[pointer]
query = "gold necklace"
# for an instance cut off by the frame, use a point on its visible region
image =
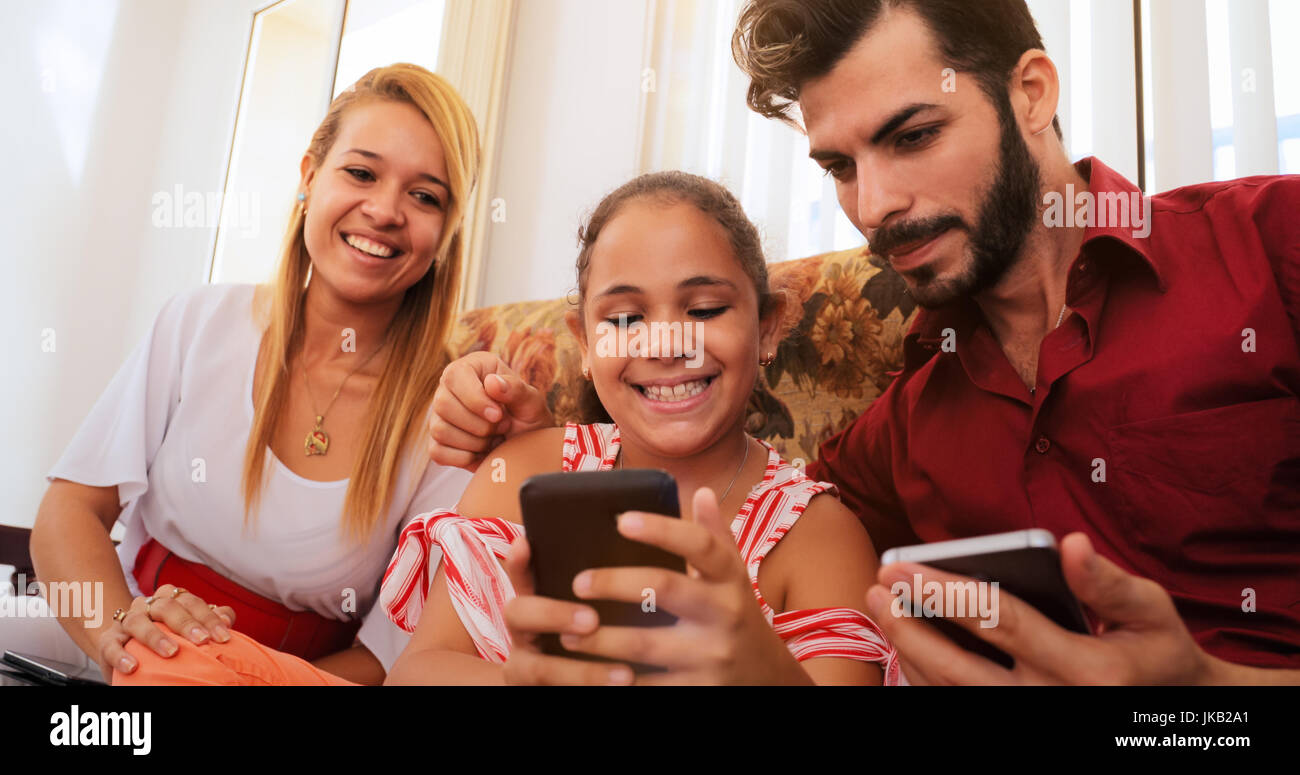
(317, 441)
(732, 483)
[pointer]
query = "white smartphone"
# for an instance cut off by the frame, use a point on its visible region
(1024, 563)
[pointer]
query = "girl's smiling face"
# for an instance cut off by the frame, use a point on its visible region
(377, 203)
(672, 265)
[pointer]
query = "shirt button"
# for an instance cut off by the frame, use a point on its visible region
(1042, 445)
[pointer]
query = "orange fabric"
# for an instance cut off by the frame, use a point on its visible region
(241, 661)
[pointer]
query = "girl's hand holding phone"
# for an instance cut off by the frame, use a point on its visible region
(528, 615)
(721, 635)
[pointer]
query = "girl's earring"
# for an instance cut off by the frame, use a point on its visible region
(303, 199)
(768, 360)
(586, 373)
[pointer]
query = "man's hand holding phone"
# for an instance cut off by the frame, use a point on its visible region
(1142, 640)
(720, 635)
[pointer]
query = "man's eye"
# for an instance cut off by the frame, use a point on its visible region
(711, 312)
(917, 137)
(360, 174)
(837, 169)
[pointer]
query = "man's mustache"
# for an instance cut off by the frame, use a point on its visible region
(888, 239)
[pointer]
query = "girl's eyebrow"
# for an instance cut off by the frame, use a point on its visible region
(691, 282)
(706, 280)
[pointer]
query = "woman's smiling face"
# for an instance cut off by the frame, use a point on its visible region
(672, 265)
(377, 203)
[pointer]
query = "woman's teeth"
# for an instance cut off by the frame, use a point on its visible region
(679, 392)
(366, 246)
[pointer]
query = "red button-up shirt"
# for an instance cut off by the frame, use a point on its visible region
(1165, 422)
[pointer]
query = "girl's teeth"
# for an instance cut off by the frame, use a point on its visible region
(679, 392)
(366, 246)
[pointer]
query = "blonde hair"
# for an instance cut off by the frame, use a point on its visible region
(418, 332)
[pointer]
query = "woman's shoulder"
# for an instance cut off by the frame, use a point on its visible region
(208, 296)
(222, 303)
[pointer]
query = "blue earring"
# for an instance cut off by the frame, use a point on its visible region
(302, 197)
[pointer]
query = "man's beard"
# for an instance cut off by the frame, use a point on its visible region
(1007, 214)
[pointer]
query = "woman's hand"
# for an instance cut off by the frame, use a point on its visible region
(528, 616)
(721, 635)
(184, 612)
(481, 402)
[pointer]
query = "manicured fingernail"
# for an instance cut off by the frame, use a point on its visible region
(582, 583)
(169, 648)
(584, 619)
(620, 676)
(221, 633)
(197, 635)
(492, 413)
(630, 522)
(126, 664)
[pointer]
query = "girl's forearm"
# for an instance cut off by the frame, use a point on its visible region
(440, 667)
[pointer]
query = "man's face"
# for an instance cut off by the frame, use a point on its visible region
(923, 166)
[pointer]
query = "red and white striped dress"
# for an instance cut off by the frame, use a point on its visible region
(479, 587)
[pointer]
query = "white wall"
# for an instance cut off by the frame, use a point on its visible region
(569, 136)
(109, 102)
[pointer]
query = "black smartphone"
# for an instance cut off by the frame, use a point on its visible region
(45, 672)
(1024, 563)
(571, 523)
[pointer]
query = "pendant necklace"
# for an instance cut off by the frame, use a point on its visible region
(317, 441)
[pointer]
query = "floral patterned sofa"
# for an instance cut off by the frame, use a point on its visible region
(852, 313)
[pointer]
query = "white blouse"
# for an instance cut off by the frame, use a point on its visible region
(170, 432)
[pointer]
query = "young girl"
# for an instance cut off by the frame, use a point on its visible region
(774, 589)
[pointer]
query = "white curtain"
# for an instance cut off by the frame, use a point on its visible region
(475, 49)
(694, 118)
(1216, 110)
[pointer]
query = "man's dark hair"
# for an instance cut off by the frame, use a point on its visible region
(782, 44)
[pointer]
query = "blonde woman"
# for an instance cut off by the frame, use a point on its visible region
(264, 445)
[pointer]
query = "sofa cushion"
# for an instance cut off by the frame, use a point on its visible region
(846, 322)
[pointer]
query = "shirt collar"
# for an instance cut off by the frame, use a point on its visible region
(926, 334)
(1105, 184)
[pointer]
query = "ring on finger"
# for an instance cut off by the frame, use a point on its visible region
(177, 592)
(119, 615)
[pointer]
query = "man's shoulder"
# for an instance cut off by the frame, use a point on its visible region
(1257, 192)
(1209, 233)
